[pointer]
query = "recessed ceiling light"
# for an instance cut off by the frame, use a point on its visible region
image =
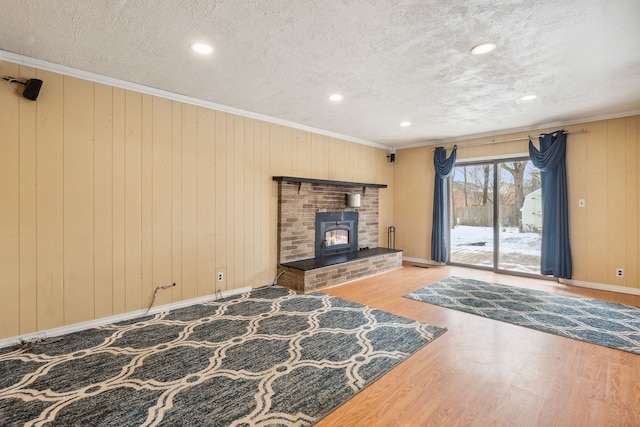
(202, 48)
(528, 97)
(483, 48)
(405, 124)
(336, 97)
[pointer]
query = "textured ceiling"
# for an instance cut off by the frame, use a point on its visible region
(393, 60)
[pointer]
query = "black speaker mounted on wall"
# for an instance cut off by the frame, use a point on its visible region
(31, 87)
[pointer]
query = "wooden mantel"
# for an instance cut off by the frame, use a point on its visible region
(327, 182)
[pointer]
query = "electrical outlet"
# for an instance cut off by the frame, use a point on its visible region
(220, 276)
(620, 272)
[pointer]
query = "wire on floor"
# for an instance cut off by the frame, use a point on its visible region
(156, 293)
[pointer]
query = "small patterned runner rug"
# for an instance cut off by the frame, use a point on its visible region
(268, 357)
(597, 322)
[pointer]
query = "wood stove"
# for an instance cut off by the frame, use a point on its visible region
(336, 233)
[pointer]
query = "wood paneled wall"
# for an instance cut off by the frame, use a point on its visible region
(602, 168)
(106, 194)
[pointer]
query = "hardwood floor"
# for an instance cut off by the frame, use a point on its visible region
(483, 372)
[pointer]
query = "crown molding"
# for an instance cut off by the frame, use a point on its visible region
(534, 128)
(110, 81)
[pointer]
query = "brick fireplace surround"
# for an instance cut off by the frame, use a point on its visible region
(298, 201)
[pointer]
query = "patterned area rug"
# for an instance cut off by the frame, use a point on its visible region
(597, 322)
(269, 357)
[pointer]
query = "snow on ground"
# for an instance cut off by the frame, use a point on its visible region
(518, 251)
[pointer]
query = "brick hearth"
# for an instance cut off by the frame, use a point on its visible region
(331, 275)
(298, 201)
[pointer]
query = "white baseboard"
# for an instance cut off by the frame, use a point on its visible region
(571, 282)
(601, 286)
(118, 318)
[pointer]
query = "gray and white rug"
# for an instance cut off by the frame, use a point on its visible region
(597, 322)
(268, 357)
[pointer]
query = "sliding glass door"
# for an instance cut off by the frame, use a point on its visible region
(496, 216)
(520, 222)
(472, 198)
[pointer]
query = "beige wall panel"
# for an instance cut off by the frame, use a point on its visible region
(259, 205)
(379, 162)
(28, 211)
(303, 155)
(133, 201)
(208, 165)
(296, 168)
(362, 154)
(103, 200)
(261, 200)
(189, 202)
(337, 160)
(381, 165)
(275, 168)
(271, 187)
(413, 201)
(637, 210)
(632, 178)
(162, 206)
(222, 195)
(522, 146)
(577, 183)
(351, 172)
(265, 194)
(118, 203)
(616, 200)
(371, 156)
(237, 243)
(147, 200)
(10, 202)
(50, 192)
(229, 203)
(358, 154)
(319, 156)
(358, 163)
(597, 209)
(287, 152)
(250, 202)
(276, 150)
(266, 216)
(386, 211)
(464, 153)
(176, 200)
(78, 201)
(509, 148)
(470, 153)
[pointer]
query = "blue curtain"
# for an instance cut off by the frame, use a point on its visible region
(550, 159)
(440, 229)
